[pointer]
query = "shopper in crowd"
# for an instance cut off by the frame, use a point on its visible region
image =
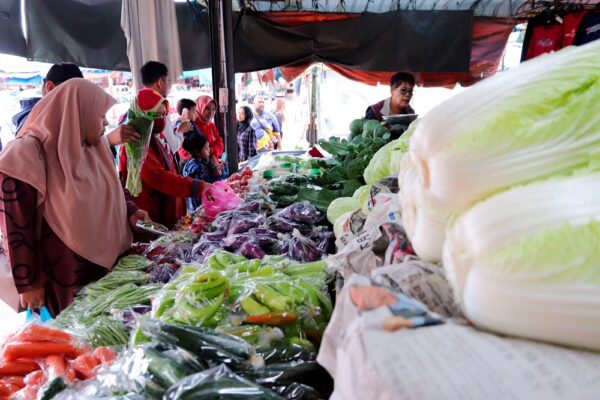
(206, 107)
(265, 126)
(65, 219)
(199, 166)
(401, 88)
(155, 75)
(190, 106)
(279, 113)
(246, 136)
(163, 190)
(57, 74)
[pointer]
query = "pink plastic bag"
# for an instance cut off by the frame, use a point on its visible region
(219, 197)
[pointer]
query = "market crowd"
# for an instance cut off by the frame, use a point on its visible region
(58, 177)
(66, 216)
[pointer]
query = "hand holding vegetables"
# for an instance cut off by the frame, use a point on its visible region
(123, 134)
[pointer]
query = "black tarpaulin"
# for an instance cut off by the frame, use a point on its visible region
(88, 33)
(193, 37)
(426, 41)
(12, 40)
(85, 32)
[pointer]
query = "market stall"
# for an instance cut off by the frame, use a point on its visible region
(458, 260)
(427, 266)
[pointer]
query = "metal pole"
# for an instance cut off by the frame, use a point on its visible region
(214, 13)
(221, 37)
(231, 116)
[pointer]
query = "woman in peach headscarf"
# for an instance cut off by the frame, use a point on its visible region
(64, 218)
(206, 108)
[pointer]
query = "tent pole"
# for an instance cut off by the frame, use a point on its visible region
(221, 46)
(231, 117)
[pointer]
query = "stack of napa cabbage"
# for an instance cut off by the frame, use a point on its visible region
(514, 159)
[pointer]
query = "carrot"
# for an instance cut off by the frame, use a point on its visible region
(104, 355)
(6, 389)
(273, 318)
(55, 365)
(84, 365)
(13, 380)
(15, 350)
(39, 333)
(28, 392)
(35, 378)
(70, 374)
(19, 367)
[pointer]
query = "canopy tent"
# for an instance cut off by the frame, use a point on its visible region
(443, 41)
(90, 35)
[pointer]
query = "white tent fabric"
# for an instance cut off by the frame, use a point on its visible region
(151, 31)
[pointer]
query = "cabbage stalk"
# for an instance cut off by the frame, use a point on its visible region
(526, 261)
(363, 195)
(423, 218)
(526, 124)
(386, 162)
(341, 206)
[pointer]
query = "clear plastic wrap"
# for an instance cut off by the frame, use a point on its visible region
(137, 150)
(219, 383)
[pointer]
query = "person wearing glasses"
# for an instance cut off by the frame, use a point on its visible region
(401, 87)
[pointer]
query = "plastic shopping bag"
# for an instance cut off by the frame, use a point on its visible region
(220, 197)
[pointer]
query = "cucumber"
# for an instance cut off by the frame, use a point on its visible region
(222, 388)
(165, 372)
(286, 355)
(52, 388)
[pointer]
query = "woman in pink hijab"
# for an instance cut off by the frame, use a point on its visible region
(64, 218)
(206, 108)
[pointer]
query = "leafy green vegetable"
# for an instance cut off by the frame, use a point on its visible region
(137, 149)
(340, 206)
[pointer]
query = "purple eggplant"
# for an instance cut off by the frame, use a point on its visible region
(282, 224)
(203, 247)
(163, 273)
(244, 224)
(234, 242)
(303, 249)
(252, 206)
(251, 250)
(214, 236)
(264, 232)
(128, 316)
(326, 243)
(302, 212)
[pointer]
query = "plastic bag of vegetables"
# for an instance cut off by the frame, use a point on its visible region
(140, 116)
(219, 197)
(525, 262)
(218, 382)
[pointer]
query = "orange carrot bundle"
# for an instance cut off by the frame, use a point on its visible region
(104, 355)
(55, 365)
(18, 367)
(40, 333)
(13, 380)
(15, 350)
(84, 365)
